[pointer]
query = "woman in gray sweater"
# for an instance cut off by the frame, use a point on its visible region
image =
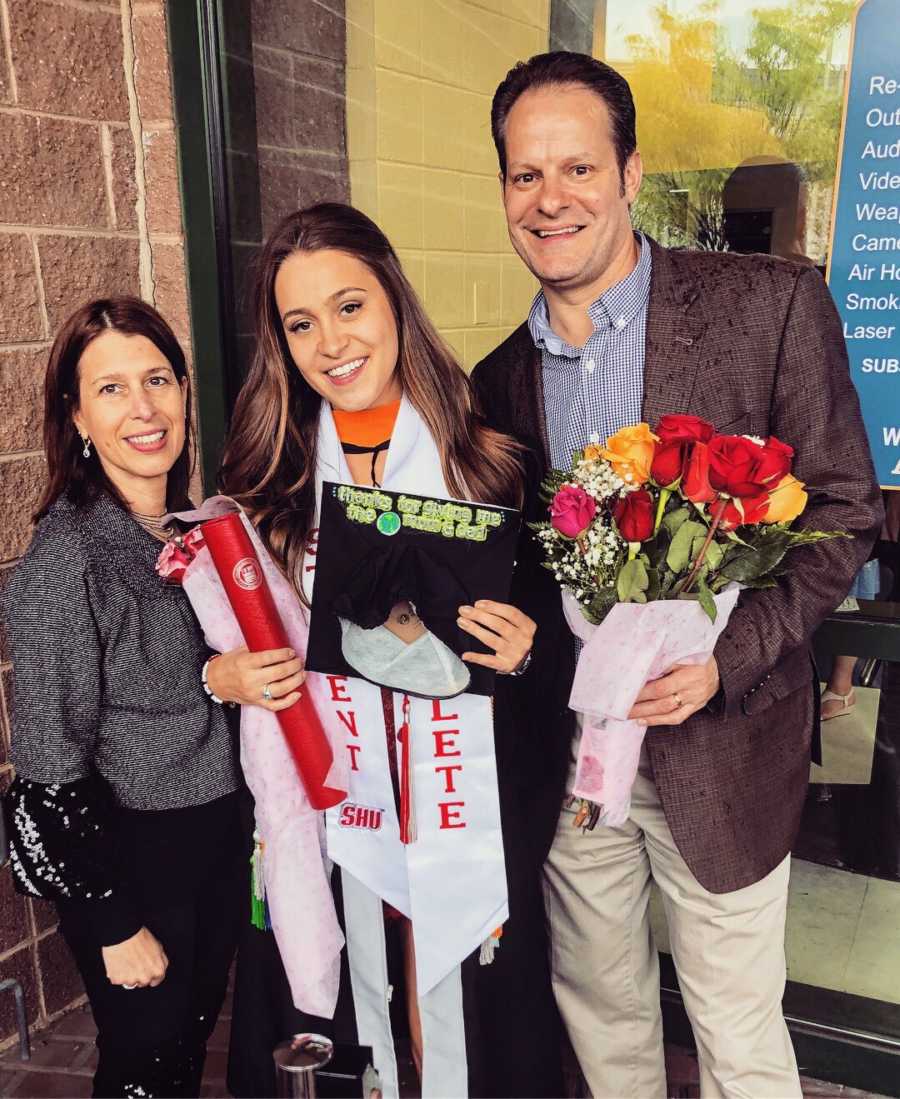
(125, 811)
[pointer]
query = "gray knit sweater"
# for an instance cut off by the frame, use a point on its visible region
(106, 664)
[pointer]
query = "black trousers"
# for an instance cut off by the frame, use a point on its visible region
(187, 871)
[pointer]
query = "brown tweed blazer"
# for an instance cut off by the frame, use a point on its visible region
(754, 345)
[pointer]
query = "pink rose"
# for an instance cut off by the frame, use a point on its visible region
(177, 554)
(172, 562)
(193, 541)
(572, 510)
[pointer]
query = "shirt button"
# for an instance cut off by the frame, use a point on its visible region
(620, 322)
(589, 366)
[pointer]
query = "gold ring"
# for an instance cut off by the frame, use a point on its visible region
(678, 702)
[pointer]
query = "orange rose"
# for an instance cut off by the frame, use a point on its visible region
(786, 500)
(630, 453)
(592, 452)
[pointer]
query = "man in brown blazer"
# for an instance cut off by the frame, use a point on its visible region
(624, 330)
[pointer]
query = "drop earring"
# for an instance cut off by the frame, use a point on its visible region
(87, 446)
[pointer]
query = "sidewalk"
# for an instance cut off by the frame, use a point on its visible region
(63, 1059)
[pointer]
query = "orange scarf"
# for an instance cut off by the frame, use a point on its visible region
(367, 428)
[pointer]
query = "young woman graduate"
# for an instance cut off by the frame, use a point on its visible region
(350, 382)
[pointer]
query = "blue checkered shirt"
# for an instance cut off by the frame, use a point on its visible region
(598, 388)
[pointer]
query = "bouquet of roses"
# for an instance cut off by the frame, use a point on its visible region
(651, 538)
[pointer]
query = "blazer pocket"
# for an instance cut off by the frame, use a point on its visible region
(790, 675)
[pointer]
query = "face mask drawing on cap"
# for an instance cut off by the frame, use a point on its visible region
(385, 611)
(404, 656)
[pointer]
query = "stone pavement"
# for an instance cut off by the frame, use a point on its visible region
(63, 1059)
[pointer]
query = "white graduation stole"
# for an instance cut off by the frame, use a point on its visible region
(451, 881)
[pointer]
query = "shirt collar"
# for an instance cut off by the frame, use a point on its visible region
(616, 307)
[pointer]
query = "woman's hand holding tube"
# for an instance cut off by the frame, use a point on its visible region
(271, 679)
(503, 628)
(138, 962)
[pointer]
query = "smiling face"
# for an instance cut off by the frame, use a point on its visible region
(567, 208)
(132, 407)
(340, 328)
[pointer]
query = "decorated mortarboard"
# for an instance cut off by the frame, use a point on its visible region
(381, 551)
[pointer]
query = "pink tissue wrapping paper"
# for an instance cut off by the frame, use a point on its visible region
(295, 866)
(635, 643)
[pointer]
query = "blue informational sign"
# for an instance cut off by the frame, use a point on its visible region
(864, 269)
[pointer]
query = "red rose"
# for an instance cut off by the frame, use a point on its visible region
(684, 429)
(668, 460)
(754, 511)
(739, 466)
(775, 461)
(572, 510)
(633, 514)
(695, 486)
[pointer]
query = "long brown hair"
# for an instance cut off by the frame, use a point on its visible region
(68, 471)
(270, 457)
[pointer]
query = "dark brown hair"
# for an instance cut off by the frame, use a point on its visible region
(270, 456)
(560, 68)
(68, 471)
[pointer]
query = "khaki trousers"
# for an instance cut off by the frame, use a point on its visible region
(728, 950)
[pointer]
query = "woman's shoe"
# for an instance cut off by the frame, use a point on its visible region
(847, 702)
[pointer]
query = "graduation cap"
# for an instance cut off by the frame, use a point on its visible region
(403, 574)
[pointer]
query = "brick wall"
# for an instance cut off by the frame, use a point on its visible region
(286, 146)
(420, 77)
(89, 205)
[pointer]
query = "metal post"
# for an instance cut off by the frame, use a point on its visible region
(21, 1016)
(296, 1062)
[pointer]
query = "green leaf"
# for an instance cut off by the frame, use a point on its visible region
(761, 582)
(809, 537)
(705, 597)
(653, 585)
(674, 519)
(680, 550)
(602, 603)
(750, 563)
(632, 582)
(714, 555)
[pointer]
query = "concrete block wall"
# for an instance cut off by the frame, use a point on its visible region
(89, 205)
(420, 77)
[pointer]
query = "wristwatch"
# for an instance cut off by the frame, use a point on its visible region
(522, 667)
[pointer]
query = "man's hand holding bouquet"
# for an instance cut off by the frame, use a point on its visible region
(651, 537)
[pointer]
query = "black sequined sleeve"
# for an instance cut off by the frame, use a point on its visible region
(62, 850)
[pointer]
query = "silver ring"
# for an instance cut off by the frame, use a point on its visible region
(267, 694)
(129, 987)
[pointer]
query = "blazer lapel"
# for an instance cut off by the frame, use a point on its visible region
(674, 343)
(526, 392)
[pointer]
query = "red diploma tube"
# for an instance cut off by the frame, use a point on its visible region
(251, 600)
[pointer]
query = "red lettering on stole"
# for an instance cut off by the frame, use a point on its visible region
(436, 714)
(448, 769)
(349, 720)
(445, 745)
(441, 747)
(338, 685)
(449, 813)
